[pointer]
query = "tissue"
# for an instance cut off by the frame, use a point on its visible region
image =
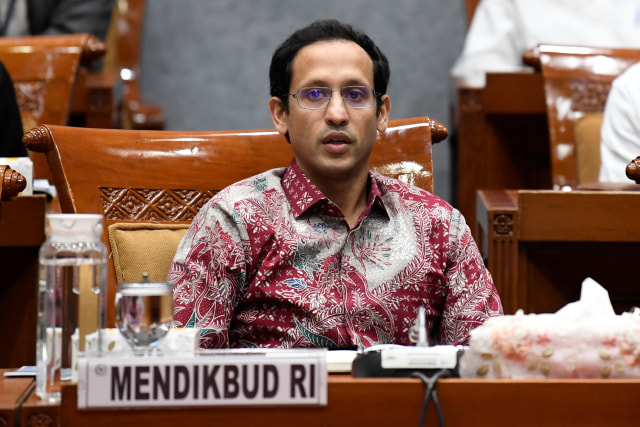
(584, 339)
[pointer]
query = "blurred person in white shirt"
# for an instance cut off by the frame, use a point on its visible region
(620, 137)
(502, 30)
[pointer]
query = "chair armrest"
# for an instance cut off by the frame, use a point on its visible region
(633, 170)
(11, 183)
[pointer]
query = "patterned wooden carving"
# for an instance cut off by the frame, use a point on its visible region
(589, 96)
(100, 98)
(40, 419)
(143, 204)
(469, 99)
(503, 225)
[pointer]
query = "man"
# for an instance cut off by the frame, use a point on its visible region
(502, 30)
(324, 253)
(10, 122)
(620, 136)
(42, 17)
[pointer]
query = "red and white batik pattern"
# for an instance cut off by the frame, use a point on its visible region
(271, 262)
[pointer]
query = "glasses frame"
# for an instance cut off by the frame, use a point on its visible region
(297, 96)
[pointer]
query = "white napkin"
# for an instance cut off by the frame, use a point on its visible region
(594, 302)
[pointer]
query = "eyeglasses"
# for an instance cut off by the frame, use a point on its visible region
(315, 98)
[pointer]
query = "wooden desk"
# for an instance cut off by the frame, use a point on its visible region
(501, 138)
(36, 412)
(542, 244)
(13, 391)
(374, 401)
(21, 235)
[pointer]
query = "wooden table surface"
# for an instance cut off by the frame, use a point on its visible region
(13, 391)
(398, 402)
(21, 235)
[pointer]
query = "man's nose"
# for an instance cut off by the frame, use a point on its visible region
(337, 110)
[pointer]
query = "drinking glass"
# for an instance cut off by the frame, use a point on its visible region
(144, 313)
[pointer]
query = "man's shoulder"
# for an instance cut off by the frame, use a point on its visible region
(253, 187)
(408, 192)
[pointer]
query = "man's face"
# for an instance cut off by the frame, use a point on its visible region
(334, 142)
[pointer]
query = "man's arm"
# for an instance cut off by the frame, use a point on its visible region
(208, 273)
(472, 297)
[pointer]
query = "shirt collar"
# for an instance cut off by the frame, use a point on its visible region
(303, 194)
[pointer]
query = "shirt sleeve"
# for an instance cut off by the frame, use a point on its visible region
(471, 297)
(208, 274)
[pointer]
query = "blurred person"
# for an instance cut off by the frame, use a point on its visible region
(42, 17)
(502, 30)
(326, 253)
(10, 121)
(620, 136)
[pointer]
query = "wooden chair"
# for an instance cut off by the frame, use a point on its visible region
(152, 178)
(576, 82)
(111, 97)
(44, 71)
(123, 59)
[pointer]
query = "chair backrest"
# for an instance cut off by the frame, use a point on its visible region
(44, 70)
(123, 61)
(577, 81)
(11, 183)
(164, 177)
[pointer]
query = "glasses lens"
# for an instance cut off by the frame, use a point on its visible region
(314, 97)
(358, 96)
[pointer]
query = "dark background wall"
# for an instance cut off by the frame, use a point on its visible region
(206, 61)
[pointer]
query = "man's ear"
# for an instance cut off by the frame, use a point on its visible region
(383, 114)
(278, 115)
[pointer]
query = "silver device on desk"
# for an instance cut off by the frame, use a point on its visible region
(393, 360)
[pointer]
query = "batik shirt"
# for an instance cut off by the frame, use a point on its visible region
(272, 262)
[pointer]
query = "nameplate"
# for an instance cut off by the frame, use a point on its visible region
(218, 378)
(409, 357)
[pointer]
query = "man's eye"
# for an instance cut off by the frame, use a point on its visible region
(314, 94)
(354, 94)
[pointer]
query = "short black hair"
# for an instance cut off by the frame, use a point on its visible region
(328, 29)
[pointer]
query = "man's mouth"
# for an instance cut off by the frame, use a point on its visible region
(336, 139)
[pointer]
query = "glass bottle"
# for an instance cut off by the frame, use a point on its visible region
(71, 298)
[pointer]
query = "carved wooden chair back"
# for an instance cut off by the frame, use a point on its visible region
(577, 81)
(44, 70)
(166, 176)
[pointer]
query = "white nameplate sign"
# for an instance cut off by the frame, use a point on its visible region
(409, 357)
(218, 378)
